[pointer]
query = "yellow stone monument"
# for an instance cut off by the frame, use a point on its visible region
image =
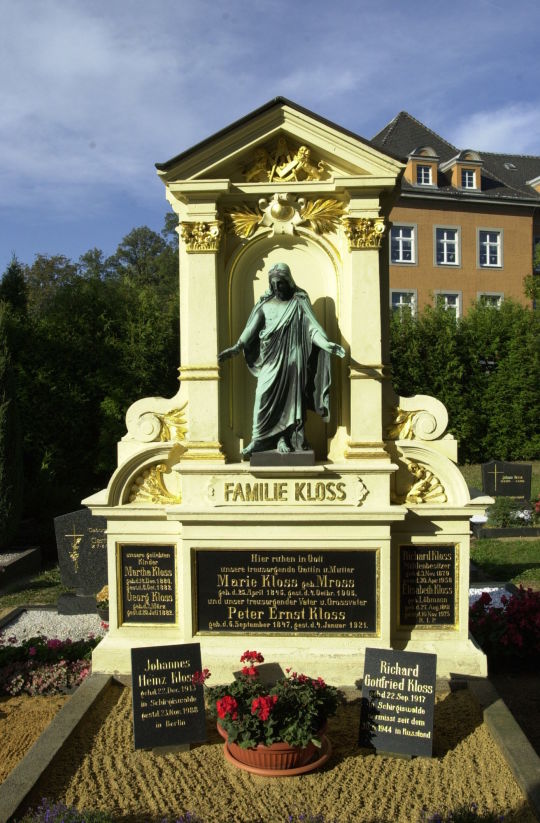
(368, 546)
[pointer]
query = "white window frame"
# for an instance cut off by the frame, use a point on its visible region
(444, 294)
(412, 305)
(398, 227)
(446, 241)
(468, 179)
(498, 295)
(421, 169)
(489, 243)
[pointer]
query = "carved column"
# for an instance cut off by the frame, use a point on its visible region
(367, 371)
(200, 231)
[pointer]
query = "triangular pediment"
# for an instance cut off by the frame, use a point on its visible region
(280, 143)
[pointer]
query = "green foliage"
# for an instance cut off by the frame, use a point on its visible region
(11, 467)
(101, 333)
(484, 367)
(503, 513)
(293, 710)
(13, 288)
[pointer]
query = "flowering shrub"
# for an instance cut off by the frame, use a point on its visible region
(510, 632)
(102, 598)
(43, 666)
(48, 812)
(466, 813)
(292, 711)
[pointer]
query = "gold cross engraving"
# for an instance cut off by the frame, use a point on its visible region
(75, 543)
(496, 474)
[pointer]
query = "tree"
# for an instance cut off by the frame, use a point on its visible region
(11, 476)
(13, 287)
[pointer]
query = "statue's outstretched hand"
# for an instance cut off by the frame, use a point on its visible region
(231, 352)
(337, 349)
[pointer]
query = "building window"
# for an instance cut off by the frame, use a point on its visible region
(450, 301)
(446, 247)
(490, 247)
(402, 244)
(468, 179)
(491, 298)
(403, 300)
(423, 175)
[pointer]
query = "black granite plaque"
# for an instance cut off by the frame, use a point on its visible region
(427, 585)
(501, 479)
(82, 551)
(287, 591)
(398, 699)
(168, 710)
(148, 584)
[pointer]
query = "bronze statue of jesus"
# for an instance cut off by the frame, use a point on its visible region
(288, 351)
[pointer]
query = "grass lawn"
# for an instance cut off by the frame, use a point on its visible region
(42, 589)
(509, 560)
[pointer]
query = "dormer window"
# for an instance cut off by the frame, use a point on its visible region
(422, 167)
(468, 178)
(424, 175)
(464, 170)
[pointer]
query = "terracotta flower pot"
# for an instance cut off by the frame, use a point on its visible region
(279, 759)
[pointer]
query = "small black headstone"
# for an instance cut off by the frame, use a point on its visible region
(82, 551)
(168, 710)
(502, 479)
(398, 699)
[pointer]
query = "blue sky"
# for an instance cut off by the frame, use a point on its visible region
(93, 93)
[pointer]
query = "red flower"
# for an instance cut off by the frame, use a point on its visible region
(54, 643)
(252, 657)
(32, 651)
(227, 705)
(262, 706)
(250, 671)
(198, 678)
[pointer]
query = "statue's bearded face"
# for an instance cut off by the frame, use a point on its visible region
(281, 287)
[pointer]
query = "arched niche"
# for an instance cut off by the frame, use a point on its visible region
(315, 268)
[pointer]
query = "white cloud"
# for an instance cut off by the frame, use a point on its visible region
(92, 94)
(514, 128)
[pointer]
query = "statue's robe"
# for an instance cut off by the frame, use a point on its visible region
(292, 371)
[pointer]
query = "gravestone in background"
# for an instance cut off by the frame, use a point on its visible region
(502, 479)
(82, 555)
(398, 700)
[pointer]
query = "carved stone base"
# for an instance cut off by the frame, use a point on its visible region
(275, 458)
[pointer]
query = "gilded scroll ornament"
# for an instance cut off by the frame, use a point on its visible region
(425, 488)
(283, 165)
(403, 426)
(201, 237)
(363, 232)
(283, 213)
(149, 487)
(173, 425)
